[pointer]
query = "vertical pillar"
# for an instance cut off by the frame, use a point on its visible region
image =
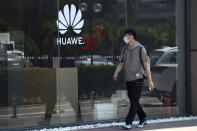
(180, 41)
(193, 53)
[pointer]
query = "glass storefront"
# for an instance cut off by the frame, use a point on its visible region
(57, 59)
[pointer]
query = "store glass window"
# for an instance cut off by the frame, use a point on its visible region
(57, 59)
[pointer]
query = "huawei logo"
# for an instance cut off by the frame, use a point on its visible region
(70, 18)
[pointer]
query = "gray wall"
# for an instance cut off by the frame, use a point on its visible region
(193, 54)
(180, 41)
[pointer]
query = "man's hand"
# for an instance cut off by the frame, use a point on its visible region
(115, 77)
(118, 69)
(151, 85)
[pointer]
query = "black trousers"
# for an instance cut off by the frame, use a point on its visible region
(134, 94)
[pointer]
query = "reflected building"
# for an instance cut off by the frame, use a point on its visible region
(155, 10)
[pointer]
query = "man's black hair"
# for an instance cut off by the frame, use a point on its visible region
(131, 32)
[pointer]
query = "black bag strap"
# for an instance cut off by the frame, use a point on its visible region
(141, 57)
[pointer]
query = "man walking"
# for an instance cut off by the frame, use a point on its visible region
(134, 60)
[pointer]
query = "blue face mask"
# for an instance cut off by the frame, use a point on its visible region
(125, 40)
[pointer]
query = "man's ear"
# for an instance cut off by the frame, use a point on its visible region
(130, 37)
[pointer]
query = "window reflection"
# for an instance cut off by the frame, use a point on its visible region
(43, 83)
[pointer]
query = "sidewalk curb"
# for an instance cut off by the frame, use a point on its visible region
(113, 124)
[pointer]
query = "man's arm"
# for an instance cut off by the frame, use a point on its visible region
(150, 83)
(117, 71)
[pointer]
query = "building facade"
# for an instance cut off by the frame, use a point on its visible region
(58, 58)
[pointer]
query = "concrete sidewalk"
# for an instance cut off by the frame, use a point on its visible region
(189, 125)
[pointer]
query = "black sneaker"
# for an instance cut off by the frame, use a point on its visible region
(44, 121)
(142, 123)
(126, 127)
